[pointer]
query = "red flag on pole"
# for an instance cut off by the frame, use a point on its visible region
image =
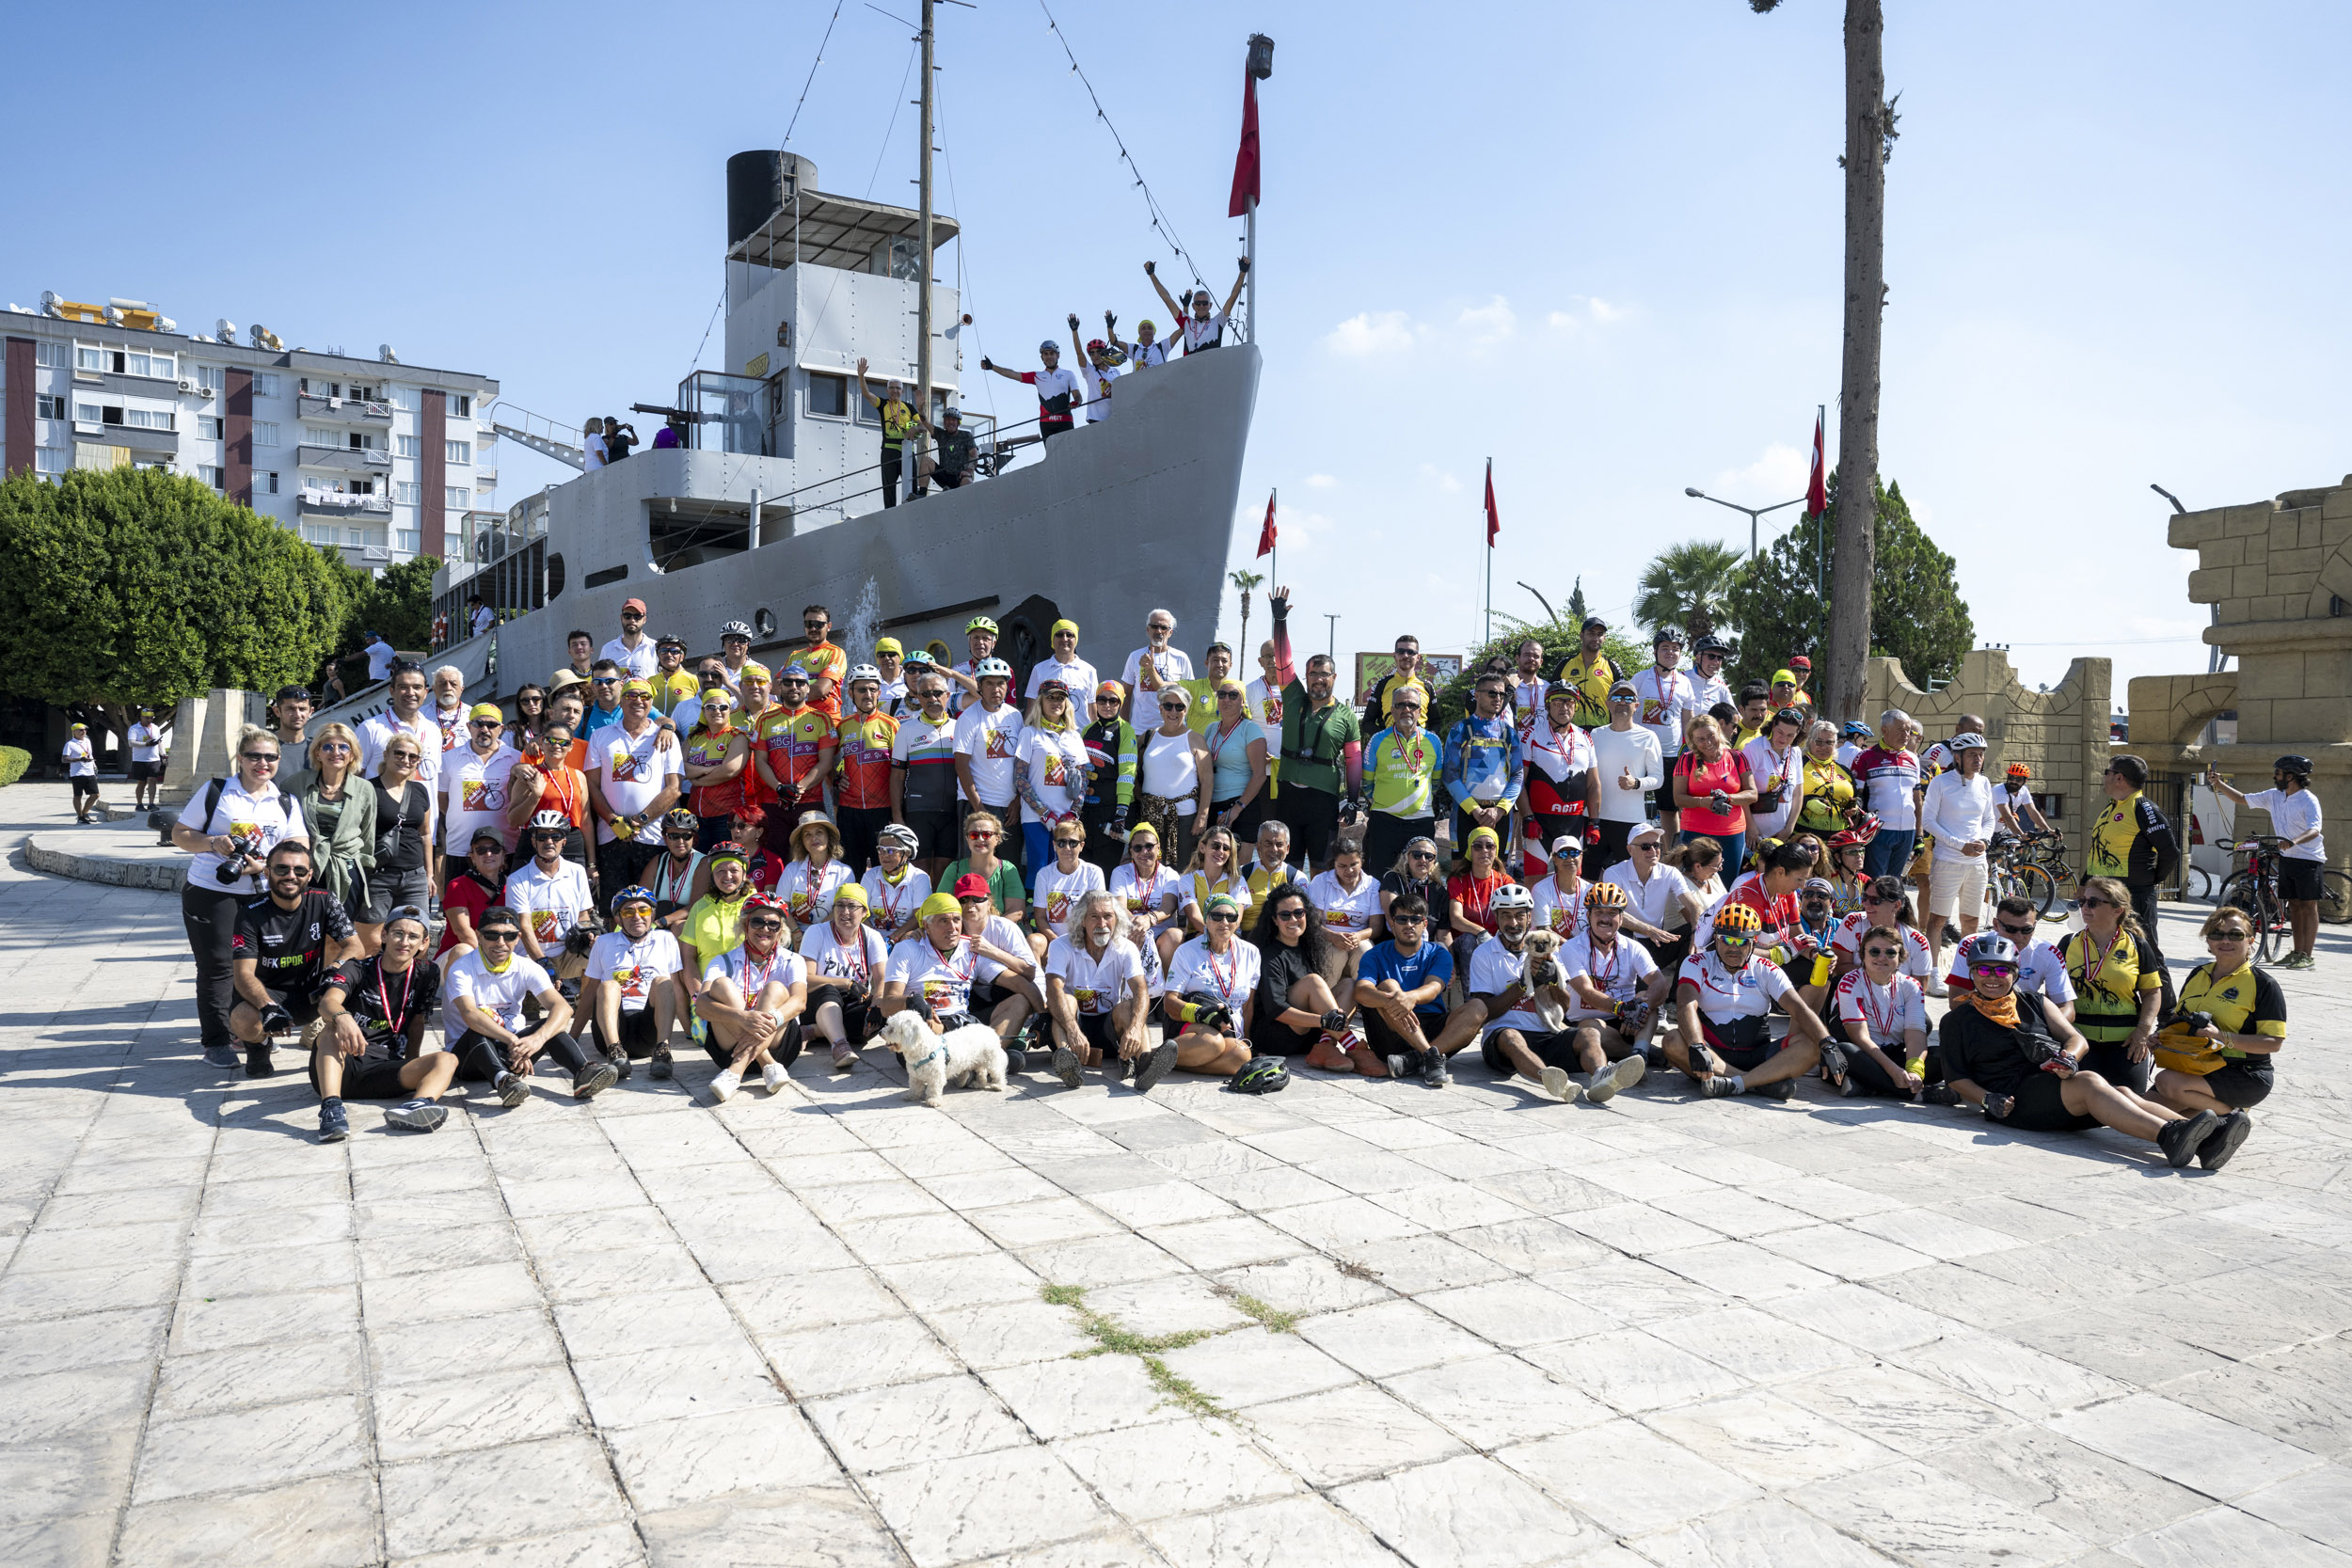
(1266, 534)
(1817, 488)
(1246, 160)
(1494, 519)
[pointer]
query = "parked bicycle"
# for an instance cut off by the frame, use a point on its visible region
(2255, 890)
(2034, 868)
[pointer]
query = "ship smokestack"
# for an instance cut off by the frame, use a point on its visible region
(759, 185)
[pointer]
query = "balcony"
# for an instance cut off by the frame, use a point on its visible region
(315, 502)
(346, 460)
(145, 444)
(344, 411)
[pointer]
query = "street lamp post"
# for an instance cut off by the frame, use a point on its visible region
(1331, 650)
(1754, 511)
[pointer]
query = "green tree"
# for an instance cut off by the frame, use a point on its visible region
(1688, 586)
(130, 587)
(1561, 638)
(1916, 613)
(1577, 609)
(398, 604)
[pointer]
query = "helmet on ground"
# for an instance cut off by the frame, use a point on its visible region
(734, 629)
(2019, 770)
(2294, 763)
(980, 622)
(1263, 1075)
(993, 667)
(1511, 895)
(864, 673)
(898, 836)
(551, 822)
(677, 819)
(1992, 948)
(632, 894)
(1741, 918)
(1606, 896)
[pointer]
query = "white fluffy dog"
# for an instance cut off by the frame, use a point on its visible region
(971, 1056)
(1543, 972)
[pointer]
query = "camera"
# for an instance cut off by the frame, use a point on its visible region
(248, 847)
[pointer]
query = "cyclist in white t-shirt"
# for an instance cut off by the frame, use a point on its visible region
(631, 993)
(1097, 1000)
(846, 961)
(752, 1002)
(1203, 327)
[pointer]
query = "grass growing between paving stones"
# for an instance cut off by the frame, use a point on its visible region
(1112, 1339)
(1272, 1319)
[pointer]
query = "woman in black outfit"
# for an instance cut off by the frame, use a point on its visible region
(1295, 1015)
(404, 809)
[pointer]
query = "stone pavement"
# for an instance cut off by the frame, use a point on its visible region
(1351, 1323)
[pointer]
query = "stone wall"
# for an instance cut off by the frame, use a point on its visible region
(2060, 734)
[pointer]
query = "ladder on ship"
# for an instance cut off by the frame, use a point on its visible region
(539, 432)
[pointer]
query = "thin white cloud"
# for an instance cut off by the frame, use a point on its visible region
(1780, 473)
(1489, 323)
(1602, 310)
(1372, 333)
(1565, 321)
(1321, 481)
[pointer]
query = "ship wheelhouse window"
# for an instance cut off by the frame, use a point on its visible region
(827, 394)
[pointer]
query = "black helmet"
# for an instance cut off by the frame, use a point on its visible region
(1263, 1075)
(1710, 643)
(1665, 635)
(2300, 766)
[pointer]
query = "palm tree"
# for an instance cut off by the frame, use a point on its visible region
(1245, 582)
(1687, 585)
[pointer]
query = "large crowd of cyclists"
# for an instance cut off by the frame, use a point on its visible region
(1595, 875)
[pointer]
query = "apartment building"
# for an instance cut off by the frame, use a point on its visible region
(379, 460)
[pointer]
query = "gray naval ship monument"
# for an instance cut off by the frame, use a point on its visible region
(773, 501)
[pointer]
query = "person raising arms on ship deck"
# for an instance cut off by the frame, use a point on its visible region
(1057, 390)
(1145, 351)
(898, 422)
(948, 464)
(1099, 365)
(1201, 328)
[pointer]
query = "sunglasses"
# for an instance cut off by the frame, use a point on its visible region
(1991, 968)
(501, 934)
(484, 723)
(763, 924)
(792, 680)
(1290, 915)
(1100, 701)
(1224, 917)
(389, 756)
(2231, 936)
(1069, 844)
(1172, 707)
(334, 745)
(605, 680)
(1421, 854)
(684, 835)
(2020, 932)
(270, 757)
(1882, 953)
(1725, 938)
(2090, 903)
(982, 836)
(1409, 920)
(1643, 848)
(548, 838)
(814, 626)
(631, 615)
(1879, 900)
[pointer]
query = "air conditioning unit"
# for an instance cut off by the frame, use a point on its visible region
(186, 385)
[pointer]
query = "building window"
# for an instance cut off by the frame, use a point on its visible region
(457, 498)
(265, 385)
(49, 356)
(265, 432)
(207, 427)
(408, 445)
(50, 460)
(211, 475)
(460, 406)
(88, 414)
(313, 437)
(88, 356)
(827, 394)
(163, 367)
(209, 377)
(409, 539)
(404, 397)
(47, 407)
(148, 419)
(266, 484)
(459, 452)
(405, 492)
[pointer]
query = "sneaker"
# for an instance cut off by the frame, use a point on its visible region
(1621, 1074)
(511, 1091)
(418, 1116)
(257, 1063)
(2296, 961)
(220, 1055)
(1654, 1057)
(1067, 1066)
(1557, 1084)
(1936, 985)
(843, 1058)
(1718, 1087)
(662, 1066)
(1784, 1089)
(1158, 1065)
(1118, 1068)
(593, 1080)
(773, 1077)
(1939, 1094)
(1440, 1071)
(2180, 1140)
(2223, 1141)
(724, 1086)
(1406, 1064)
(334, 1126)
(621, 1068)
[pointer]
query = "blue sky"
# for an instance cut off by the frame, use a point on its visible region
(1598, 243)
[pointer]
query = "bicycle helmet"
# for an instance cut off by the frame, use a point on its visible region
(1560, 688)
(1263, 1075)
(864, 673)
(917, 658)
(725, 850)
(1971, 741)
(1512, 896)
(993, 667)
(1867, 829)
(1856, 730)
(632, 894)
(734, 629)
(1991, 949)
(1606, 896)
(2019, 770)
(1741, 918)
(1710, 643)
(1849, 839)
(677, 819)
(979, 622)
(1665, 635)
(765, 901)
(2293, 764)
(551, 822)
(899, 835)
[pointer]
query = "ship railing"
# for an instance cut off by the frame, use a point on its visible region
(992, 455)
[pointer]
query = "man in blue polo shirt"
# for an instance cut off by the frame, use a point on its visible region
(1400, 984)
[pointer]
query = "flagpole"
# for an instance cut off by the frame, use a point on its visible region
(1486, 525)
(1274, 497)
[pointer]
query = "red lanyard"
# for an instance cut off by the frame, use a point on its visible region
(756, 975)
(890, 901)
(395, 1022)
(863, 964)
(1881, 1029)
(1224, 978)
(1603, 980)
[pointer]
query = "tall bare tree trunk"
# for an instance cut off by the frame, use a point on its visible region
(1858, 395)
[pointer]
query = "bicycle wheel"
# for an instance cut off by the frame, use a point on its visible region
(2269, 919)
(2335, 897)
(2064, 887)
(2197, 885)
(2034, 885)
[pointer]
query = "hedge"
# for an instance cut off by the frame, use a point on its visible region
(13, 761)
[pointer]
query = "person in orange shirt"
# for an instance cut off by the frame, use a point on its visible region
(549, 779)
(793, 752)
(828, 667)
(863, 740)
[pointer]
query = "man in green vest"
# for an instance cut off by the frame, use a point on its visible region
(1321, 745)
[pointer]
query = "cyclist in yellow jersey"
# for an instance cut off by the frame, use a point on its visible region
(1590, 673)
(2130, 840)
(1401, 768)
(673, 683)
(827, 664)
(2217, 1057)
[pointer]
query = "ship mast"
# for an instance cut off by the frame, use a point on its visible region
(923, 266)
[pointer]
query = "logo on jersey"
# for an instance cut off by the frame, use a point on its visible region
(623, 765)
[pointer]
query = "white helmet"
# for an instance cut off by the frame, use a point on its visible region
(551, 822)
(1972, 741)
(993, 667)
(864, 673)
(1511, 895)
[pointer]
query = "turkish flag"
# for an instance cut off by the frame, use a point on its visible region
(1494, 518)
(1246, 160)
(1266, 534)
(1817, 488)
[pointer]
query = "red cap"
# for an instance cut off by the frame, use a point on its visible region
(1801, 662)
(972, 885)
(637, 604)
